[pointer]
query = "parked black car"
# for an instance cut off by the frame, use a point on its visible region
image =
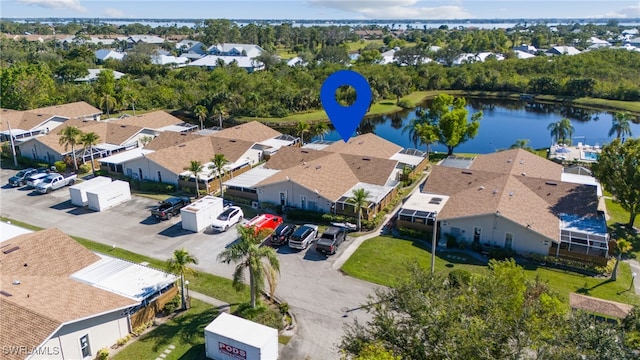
(169, 208)
(330, 240)
(281, 234)
(20, 179)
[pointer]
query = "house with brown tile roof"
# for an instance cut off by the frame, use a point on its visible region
(253, 131)
(49, 305)
(514, 199)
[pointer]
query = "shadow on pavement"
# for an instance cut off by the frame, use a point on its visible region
(313, 255)
(175, 230)
(65, 205)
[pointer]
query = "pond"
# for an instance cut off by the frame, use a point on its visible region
(502, 124)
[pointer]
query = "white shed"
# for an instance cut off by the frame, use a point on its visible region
(200, 214)
(78, 192)
(108, 195)
(229, 337)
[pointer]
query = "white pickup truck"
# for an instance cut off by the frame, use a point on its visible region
(54, 182)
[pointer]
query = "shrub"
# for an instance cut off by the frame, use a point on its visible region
(60, 166)
(501, 253)
(103, 354)
(476, 246)
(123, 340)
(405, 104)
(413, 233)
(84, 168)
(452, 242)
(459, 277)
(262, 314)
(283, 307)
(171, 306)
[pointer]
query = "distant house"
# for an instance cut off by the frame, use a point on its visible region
(212, 61)
(370, 34)
(105, 54)
(322, 176)
(24, 125)
(93, 75)
(563, 50)
(480, 57)
(231, 49)
(515, 200)
(523, 55)
(146, 39)
(526, 48)
(192, 46)
(61, 301)
(168, 60)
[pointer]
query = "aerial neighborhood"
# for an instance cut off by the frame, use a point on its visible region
(184, 192)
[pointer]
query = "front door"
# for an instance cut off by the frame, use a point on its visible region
(476, 234)
(508, 240)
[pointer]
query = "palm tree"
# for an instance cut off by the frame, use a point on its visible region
(89, 140)
(220, 109)
(70, 136)
(621, 125)
(622, 247)
(359, 201)
(247, 253)
(427, 134)
(201, 113)
(219, 161)
(321, 129)
(301, 128)
(522, 144)
(195, 167)
(107, 102)
(561, 130)
(179, 265)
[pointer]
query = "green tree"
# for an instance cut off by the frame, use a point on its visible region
(195, 167)
(26, 86)
(88, 141)
(301, 128)
(219, 161)
(321, 129)
(70, 136)
(621, 125)
(427, 134)
(107, 102)
(561, 131)
(221, 110)
(449, 116)
(623, 246)
(179, 264)
(201, 113)
(522, 144)
(248, 254)
(360, 200)
(618, 169)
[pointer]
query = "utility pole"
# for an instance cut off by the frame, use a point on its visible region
(433, 242)
(13, 145)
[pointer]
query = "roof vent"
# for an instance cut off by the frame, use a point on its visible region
(366, 159)
(304, 151)
(511, 193)
(5, 293)
(123, 126)
(16, 282)
(182, 145)
(318, 167)
(495, 191)
(524, 174)
(232, 141)
(481, 187)
(551, 183)
(467, 172)
(10, 250)
(509, 160)
(521, 162)
(435, 200)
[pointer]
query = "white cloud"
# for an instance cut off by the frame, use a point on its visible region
(395, 9)
(114, 13)
(627, 12)
(56, 4)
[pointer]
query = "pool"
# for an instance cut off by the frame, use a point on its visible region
(589, 155)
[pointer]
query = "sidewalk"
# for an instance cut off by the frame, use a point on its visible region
(221, 305)
(635, 268)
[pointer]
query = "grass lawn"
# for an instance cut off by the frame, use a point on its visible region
(618, 217)
(205, 283)
(185, 332)
(354, 46)
(617, 214)
(383, 260)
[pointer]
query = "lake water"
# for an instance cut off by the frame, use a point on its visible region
(502, 124)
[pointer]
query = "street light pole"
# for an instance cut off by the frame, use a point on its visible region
(633, 278)
(433, 241)
(186, 283)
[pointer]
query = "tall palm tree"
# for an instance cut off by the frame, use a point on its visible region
(220, 109)
(201, 113)
(107, 102)
(70, 136)
(359, 200)
(89, 140)
(621, 125)
(179, 265)
(248, 254)
(219, 161)
(427, 134)
(561, 130)
(301, 128)
(321, 129)
(195, 167)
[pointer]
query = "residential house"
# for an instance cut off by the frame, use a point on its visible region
(165, 158)
(104, 54)
(231, 49)
(523, 55)
(115, 136)
(58, 300)
(370, 34)
(93, 75)
(526, 48)
(24, 125)
(191, 46)
(168, 60)
(516, 200)
(322, 176)
(211, 61)
(563, 50)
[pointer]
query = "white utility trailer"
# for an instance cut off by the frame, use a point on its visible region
(200, 213)
(108, 195)
(229, 337)
(78, 192)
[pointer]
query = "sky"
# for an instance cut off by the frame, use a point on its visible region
(321, 9)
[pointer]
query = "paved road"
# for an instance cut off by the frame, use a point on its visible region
(315, 290)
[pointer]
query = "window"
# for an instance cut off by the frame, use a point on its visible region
(476, 234)
(303, 202)
(140, 173)
(84, 346)
(159, 176)
(508, 240)
(283, 199)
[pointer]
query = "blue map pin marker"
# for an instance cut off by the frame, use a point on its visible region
(345, 118)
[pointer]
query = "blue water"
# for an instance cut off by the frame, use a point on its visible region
(502, 124)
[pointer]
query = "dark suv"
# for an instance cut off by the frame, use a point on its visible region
(281, 235)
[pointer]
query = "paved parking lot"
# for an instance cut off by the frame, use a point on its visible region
(317, 293)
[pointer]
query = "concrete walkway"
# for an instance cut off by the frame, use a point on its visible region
(221, 305)
(635, 268)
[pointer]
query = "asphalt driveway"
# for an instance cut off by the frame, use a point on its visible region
(317, 293)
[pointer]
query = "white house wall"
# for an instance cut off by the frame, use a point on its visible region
(494, 230)
(103, 331)
(149, 171)
(293, 194)
(33, 149)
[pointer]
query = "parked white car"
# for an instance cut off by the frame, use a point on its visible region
(36, 179)
(229, 217)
